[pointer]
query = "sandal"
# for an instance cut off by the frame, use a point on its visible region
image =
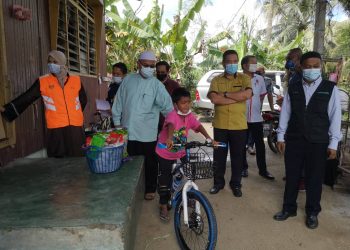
(150, 196)
(163, 213)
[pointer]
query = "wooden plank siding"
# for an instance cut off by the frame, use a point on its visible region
(27, 45)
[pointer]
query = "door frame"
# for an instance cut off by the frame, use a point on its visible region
(5, 86)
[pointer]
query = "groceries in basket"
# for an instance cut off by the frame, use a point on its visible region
(105, 150)
(113, 138)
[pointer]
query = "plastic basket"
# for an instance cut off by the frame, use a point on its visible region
(199, 166)
(105, 159)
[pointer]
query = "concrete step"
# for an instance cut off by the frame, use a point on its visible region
(59, 204)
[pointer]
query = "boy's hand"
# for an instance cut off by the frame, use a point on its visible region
(215, 144)
(2, 109)
(169, 144)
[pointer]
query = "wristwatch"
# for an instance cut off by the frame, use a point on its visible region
(225, 94)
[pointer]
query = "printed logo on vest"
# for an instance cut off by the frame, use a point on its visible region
(323, 93)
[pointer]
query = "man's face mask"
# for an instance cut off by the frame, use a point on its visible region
(311, 74)
(54, 68)
(117, 79)
(289, 65)
(231, 69)
(162, 77)
(252, 68)
(147, 72)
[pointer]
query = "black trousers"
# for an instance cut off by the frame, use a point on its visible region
(256, 130)
(65, 142)
(312, 157)
(165, 179)
(235, 140)
(147, 149)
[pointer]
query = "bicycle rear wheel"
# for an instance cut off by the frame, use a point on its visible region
(201, 233)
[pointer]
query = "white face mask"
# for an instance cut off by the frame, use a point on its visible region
(117, 79)
(147, 72)
(184, 114)
(252, 68)
(54, 68)
(311, 74)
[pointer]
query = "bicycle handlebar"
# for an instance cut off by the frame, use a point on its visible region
(194, 144)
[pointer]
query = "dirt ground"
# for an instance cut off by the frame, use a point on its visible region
(247, 223)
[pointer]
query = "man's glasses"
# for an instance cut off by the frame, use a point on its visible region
(148, 66)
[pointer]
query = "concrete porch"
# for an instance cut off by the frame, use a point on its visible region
(59, 204)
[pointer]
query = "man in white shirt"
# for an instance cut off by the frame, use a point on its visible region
(254, 118)
(308, 133)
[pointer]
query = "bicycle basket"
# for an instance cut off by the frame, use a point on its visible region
(199, 166)
(104, 159)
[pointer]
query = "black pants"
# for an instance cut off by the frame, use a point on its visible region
(256, 130)
(312, 157)
(65, 142)
(147, 149)
(235, 140)
(165, 179)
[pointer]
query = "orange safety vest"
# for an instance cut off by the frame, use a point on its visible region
(62, 106)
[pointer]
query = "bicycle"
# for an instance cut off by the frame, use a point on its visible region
(198, 226)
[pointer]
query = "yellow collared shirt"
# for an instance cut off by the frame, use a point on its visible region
(231, 116)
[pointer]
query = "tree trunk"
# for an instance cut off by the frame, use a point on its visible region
(270, 17)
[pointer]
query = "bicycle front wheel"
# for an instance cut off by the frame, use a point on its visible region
(201, 231)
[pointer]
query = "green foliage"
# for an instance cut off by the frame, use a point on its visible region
(290, 24)
(346, 5)
(127, 35)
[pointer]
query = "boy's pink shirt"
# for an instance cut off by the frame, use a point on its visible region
(190, 122)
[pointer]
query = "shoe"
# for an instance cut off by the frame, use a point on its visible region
(149, 196)
(215, 189)
(311, 221)
(237, 192)
(302, 185)
(245, 173)
(283, 215)
(251, 150)
(267, 176)
(163, 213)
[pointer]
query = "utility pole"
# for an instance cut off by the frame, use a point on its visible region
(320, 24)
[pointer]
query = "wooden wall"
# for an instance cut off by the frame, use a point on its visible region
(27, 46)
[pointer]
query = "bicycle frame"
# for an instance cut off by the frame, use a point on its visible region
(186, 186)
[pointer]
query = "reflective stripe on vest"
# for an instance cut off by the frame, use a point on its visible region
(49, 103)
(62, 106)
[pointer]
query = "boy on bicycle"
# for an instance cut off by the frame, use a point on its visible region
(174, 131)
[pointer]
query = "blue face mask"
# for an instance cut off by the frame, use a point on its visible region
(231, 68)
(311, 74)
(147, 72)
(289, 65)
(54, 68)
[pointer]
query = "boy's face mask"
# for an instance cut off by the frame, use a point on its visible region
(184, 114)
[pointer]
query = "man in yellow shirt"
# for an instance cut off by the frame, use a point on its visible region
(229, 92)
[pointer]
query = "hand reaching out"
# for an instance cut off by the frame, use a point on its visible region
(169, 144)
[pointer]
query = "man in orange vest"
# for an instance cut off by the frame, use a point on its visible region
(64, 99)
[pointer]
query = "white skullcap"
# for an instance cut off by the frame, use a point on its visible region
(147, 55)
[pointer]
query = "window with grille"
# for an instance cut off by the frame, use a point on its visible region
(76, 35)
